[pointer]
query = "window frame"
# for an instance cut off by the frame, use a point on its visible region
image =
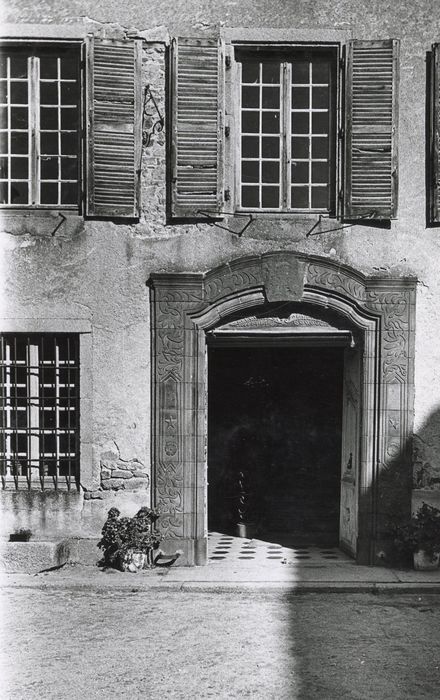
(279, 50)
(35, 44)
(35, 370)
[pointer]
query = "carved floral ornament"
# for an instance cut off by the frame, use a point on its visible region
(186, 306)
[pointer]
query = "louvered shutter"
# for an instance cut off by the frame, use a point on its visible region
(370, 187)
(435, 135)
(113, 127)
(197, 127)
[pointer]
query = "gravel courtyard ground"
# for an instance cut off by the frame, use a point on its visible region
(95, 643)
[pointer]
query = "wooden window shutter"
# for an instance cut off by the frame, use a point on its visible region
(197, 109)
(114, 137)
(370, 187)
(434, 165)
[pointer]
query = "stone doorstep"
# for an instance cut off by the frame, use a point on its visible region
(38, 555)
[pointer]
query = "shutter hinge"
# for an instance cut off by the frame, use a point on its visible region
(227, 131)
(227, 195)
(227, 61)
(342, 63)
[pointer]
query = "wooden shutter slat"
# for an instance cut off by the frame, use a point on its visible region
(197, 127)
(370, 183)
(113, 127)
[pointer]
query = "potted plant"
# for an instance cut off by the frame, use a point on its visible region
(421, 537)
(132, 544)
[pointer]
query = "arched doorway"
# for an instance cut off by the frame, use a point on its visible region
(376, 427)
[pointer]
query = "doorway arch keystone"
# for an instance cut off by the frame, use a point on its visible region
(185, 306)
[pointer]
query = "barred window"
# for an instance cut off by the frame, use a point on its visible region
(39, 432)
(39, 126)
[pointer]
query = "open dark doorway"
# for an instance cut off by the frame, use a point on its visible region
(274, 442)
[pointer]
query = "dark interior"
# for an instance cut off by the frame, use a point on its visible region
(274, 442)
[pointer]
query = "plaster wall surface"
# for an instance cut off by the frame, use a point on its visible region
(97, 271)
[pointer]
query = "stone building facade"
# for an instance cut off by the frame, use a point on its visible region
(130, 256)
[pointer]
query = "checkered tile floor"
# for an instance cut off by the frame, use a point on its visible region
(228, 549)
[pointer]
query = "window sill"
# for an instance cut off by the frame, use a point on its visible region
(297, 215)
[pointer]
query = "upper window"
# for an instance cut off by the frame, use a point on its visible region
(287, 142)
(254, 128)
(39, 126)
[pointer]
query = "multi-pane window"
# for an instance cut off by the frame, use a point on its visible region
(287, 131)
(39, 430)
(39, 126)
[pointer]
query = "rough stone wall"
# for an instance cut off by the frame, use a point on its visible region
(97, 271)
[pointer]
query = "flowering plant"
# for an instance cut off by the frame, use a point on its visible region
(120, 535)
(422, 532)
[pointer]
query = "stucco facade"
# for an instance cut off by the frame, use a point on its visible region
(99, 278)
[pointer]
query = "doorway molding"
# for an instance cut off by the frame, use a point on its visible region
(184, 306)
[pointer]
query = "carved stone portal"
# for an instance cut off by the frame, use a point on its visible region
(381, 311)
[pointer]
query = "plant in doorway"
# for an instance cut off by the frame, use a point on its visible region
(421, 537)
(132, 544)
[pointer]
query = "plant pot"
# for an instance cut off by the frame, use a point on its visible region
(133, 560)
(424, 561)
(246, 530)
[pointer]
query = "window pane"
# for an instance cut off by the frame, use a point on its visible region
(3, 66)
(3, 192)
(20, 168)
(300, 72)
(319, 147)
(250, 171)
(48, 67)
(49, 168)
(319, 197)
(271, 97)
(49, 93)
(320, 122)
(300, 123)
(19, 117)
(49, 193)
(250, 122)
(300, 172)
(19, 142)
(49, 118)
(3, 92)
(69, 67)
(19, 93)
(300, 197)
(250, 146)
(49, 143)
(270, 171)
(271, 73)
(270, 197)
(69, 193)
(320, 98)
(250, 72)
(4, 168)
(69, 93)
(270, 147)
(320, 72)
(300, 147)
(69, 168)
(69, 118)
(4, 142)
(300, 97)
(271, 123)
(18, 66)
(3, 117)
(320, 172)
(250, 96)
(69, 144)
(19, 192)
(250, 197)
